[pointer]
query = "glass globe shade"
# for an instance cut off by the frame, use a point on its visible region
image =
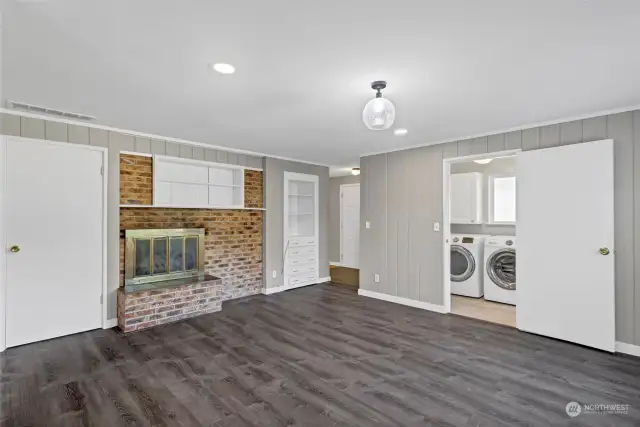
(379, 114)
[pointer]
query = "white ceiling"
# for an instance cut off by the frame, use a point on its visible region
(455, 68)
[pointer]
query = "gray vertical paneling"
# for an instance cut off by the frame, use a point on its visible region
(210, 155)
(232, 158)
(571, 132)
(465, 147)
(431, 277)
(450, 150)
(242, 160)
(394, 228)
(186, 151)
(255, 162)
(479, 145)
(32, 128)
(221, 156)
(56, 131)
(142, 145)
(172, 149)
(636, 223)
(513, 140)
(594, 129)
(198, 153)
(11, 124)
(78, 134)
(531, 139)
(122, 141)
(549, 136)
(496, 143)
(620, 129)
(374, 240)
(415, 227)
(158, 147)
(99, 137)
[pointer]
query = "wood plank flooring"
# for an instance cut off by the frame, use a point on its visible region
(316, 356)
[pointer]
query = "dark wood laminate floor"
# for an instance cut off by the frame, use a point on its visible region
(317, 356)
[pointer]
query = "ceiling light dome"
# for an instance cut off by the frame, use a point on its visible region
(379, 113)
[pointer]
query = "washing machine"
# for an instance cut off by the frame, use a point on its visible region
(467, 264)
(500, 269)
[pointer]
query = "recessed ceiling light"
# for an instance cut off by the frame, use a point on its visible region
(400, 132)
(224, 68)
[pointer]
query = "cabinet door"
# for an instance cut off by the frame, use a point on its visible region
(465, 198)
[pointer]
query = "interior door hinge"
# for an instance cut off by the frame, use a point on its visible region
(100, 299)
(101, 170)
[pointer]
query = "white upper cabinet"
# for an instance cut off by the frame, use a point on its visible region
(466, 198)
(196, 184)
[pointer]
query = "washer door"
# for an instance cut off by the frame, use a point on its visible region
(501, 268)
(463, 264)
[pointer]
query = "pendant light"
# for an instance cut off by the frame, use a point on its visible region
(379, 113)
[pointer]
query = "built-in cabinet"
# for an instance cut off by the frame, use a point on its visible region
(466, 198)
(300, 252)
(196, 184)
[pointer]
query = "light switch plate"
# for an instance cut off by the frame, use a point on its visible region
(436, 226)
(376, 278)
(367, 224)
(274, 274)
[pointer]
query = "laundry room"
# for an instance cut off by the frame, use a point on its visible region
(482, 208)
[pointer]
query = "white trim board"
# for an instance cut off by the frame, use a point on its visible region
(278, 289)
(511, 129)
(227, 208)
(404, 301)
(110, 323)
(153, 136)
(623, 347)
(342, 187)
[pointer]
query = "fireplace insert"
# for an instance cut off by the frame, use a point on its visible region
(163, 254)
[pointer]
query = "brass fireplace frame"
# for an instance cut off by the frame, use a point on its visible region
(152, 235)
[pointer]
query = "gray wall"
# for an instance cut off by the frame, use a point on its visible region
(115, 142)
(401, 194)
(501, 165)
(334, 213)
(274, 216)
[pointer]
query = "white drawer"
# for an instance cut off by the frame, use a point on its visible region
(302, 241)
(301, 269)
(303, 278)
(302, 250)
(301, 259)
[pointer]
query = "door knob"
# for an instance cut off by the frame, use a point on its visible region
(604, 251)
(14, 248)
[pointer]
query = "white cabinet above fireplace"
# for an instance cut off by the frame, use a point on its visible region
(185, 183)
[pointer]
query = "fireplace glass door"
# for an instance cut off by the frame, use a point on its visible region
(158, 255)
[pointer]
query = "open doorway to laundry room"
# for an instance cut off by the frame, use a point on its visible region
(480, 236)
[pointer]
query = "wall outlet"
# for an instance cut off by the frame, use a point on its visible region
(376, 278)
(274, 274)
(436, 226)
(367, 224)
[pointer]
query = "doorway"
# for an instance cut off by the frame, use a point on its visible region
(54, 232)
(350, 225)
(482, 231)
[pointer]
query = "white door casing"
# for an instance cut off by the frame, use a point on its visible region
(565, 286)
(350, 225)
(55, 211)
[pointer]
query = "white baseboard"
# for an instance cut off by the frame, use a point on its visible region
(404, 301)
(623, 347)
(275, 290)
(110, 323)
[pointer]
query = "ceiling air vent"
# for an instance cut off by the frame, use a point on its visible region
(45, 110)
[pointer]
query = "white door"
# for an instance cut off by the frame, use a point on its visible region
(350, 225)
(54, 220)
(565, 255)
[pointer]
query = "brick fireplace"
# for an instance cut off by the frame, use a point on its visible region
(232, 244)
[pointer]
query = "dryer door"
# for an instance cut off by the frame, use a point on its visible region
(463, 264)
(501, 268)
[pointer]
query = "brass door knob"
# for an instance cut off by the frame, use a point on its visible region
(604, 251)
(14, 248)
